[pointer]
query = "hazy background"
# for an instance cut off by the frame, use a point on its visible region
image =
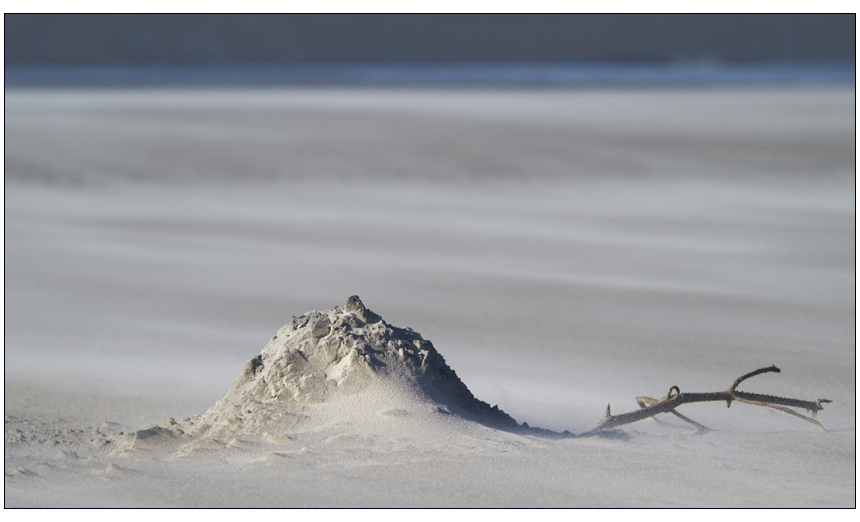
(531, 49)
(397, 38)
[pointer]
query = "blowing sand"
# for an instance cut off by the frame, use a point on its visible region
(556, 250)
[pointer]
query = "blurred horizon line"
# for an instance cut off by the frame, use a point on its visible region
(432, 74)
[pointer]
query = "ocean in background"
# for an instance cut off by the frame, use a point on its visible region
(477, 74)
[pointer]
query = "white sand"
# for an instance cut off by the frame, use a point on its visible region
(561, 250)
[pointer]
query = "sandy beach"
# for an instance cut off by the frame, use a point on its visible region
(562, 249)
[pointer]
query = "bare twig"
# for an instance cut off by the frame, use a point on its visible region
(643, 401)
(650, 407)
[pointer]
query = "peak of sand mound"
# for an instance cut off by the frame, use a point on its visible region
(343, 364)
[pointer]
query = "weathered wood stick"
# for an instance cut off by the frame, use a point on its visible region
(651, 407)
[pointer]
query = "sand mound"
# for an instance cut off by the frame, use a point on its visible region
(344, 356)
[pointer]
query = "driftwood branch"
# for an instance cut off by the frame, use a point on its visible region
(651, 407)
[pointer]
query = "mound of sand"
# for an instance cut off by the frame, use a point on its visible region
(345, 362)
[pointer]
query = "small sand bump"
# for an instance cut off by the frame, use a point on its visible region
(275, 456)
(394, 413)
(67, 454)
(278, 439)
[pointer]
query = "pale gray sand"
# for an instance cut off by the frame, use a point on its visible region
(561, 250)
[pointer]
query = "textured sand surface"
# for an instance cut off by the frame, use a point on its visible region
(560, 249)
